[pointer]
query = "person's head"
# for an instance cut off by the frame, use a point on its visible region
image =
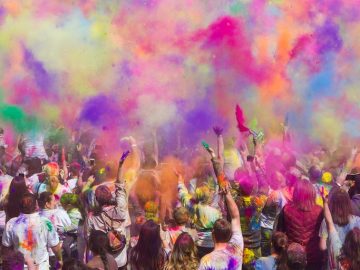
(103, 196)
(53, 182)
(304, 195)
(222, 231)
(148, 252)
(245, 185)
(202, 194)
(279, 243)
(28, 203)
(74, 169)
(340, 207)
(181, 216)
(296, 257)
(17, 186)
(47, 200)
(151, 210)
(184, 254)
(16, 190)
(51, 169)
(315, 174)
(33, 166)
(277, 179)
(351, 248)
(292, 177)
(99, 242)
(74, 264)
(13, 260)
(69, 201)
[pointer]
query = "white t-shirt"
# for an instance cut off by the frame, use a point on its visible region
(58, 217)
(34, 146)
(230, 257)
(31, 234)
(71, 183)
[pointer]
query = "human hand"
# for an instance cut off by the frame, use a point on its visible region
(90, 180)
(218, 130)
(124, 156)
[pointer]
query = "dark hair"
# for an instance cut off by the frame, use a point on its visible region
(28, 203)
(351, 248)
(99, 245)
(13, 260)
(148, 252)
(279, 243)
(34, 166)
(304, 195)
(222, 231)
(103, 195)
(75, 169)
(296, 257)
(315, 173)
(74, 264)
(184, 254)
(16, 191)
(340, 207)
(44, 197)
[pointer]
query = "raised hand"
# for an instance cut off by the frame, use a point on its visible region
(218, 130)
(124, 156)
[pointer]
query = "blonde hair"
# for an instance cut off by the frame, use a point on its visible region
(184, 254)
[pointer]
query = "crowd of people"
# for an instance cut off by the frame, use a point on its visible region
(64, 205)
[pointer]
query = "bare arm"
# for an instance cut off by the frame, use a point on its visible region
(220, 144)
(63, 159)
(349, 163)
(58, 253)
(121, 163)
(233, 211)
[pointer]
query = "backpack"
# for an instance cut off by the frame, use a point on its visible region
(117, 240)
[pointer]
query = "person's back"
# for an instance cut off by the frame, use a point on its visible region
(301, 221)
(344, 221)
(229, 243)
(278, 258)
(30, 233)
(101, 258)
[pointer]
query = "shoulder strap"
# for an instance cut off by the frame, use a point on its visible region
(111, 220)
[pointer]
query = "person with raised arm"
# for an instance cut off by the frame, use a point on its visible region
(228, 241)
(202, 212)
(112, 215)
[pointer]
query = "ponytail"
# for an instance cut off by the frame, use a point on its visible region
(103, 257)
(279, 245)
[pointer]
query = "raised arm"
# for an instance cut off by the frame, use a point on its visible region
(348, 165)
(121, 163)
(233, 211)
(64, 164)
(220, 144)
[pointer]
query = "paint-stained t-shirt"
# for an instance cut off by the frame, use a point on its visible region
(229, 258)
(31, 234)
(34, 146)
